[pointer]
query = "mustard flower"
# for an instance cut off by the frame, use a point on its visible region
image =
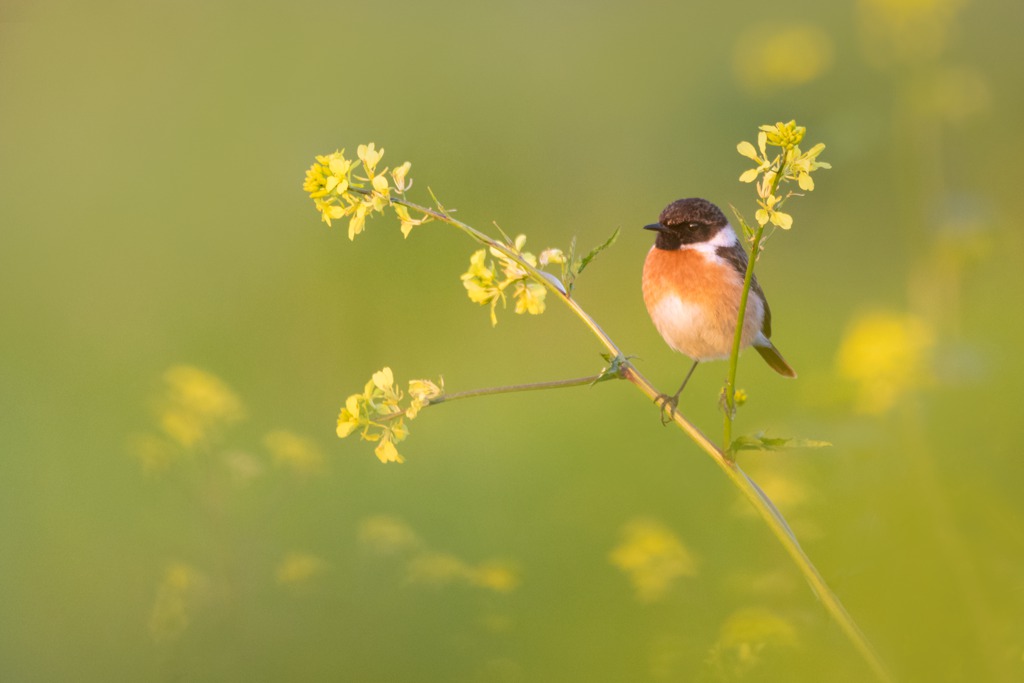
(529, 296)
(370, 156)
(421, 391)
(767, 213)
(402, 183)
(480, 283)
(806, 163)
(785, 135)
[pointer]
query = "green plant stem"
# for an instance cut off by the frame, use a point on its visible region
(513, 388)
(734, 356)
(764, 506)
(737, 340)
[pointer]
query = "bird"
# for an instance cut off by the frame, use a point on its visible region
(692, 283)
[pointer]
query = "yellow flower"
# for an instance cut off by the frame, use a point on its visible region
(329, 174)
(408, 222)
(399, 176)
(357, 223)
(370, 156)
(806, 163)
(378, 414)
(383, 379)
(329, 210)
(380, 185)
(529, 297)
(339, 166)
(316, 182)
(386, 451)
(422, 391)
(762, 160)
(350, 417)
(767, 213)
(480, 283)
(551, 255)
(785, 135)
(512, 269)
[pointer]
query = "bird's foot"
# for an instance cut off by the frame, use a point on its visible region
(668, 406)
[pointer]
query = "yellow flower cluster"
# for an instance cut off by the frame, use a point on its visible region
(338, 192)
(788, 165)
(486, 284)
(377, 412)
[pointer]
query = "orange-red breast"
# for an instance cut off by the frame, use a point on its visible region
(693, 278)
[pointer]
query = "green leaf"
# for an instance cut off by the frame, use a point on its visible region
(615, 369)
(573, 266)
(747, 230)
(760, 442)
(568, 275)
(585, 261)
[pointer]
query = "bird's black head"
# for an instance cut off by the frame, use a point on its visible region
(687, 221)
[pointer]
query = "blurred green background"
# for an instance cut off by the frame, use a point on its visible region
(155, 240)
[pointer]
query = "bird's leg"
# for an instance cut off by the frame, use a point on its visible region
(665, 400)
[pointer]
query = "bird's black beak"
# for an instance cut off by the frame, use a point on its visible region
(655, 226)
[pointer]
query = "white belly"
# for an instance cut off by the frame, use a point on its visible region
(689, 330)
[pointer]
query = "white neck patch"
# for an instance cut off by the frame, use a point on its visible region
(725, 237)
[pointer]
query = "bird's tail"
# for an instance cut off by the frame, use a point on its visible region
(772, 356)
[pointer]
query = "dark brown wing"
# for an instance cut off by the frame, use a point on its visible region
(737, 258)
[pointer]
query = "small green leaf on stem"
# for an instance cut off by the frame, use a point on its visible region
(760, 442)
(615, 369)
(575, 266)
(585, 261)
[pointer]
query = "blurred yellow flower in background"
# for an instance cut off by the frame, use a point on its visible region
(907, 30)
(652, 557)
(436, 568)
(499, 577)
(172, 609)
(195, 405)
(743, 639)
(297, 453)
(298, 568)
(769, 57)
(886, 354)
(386, 535)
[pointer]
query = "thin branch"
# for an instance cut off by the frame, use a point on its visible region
(768, 512)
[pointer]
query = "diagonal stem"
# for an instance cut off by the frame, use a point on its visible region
(764, 506)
